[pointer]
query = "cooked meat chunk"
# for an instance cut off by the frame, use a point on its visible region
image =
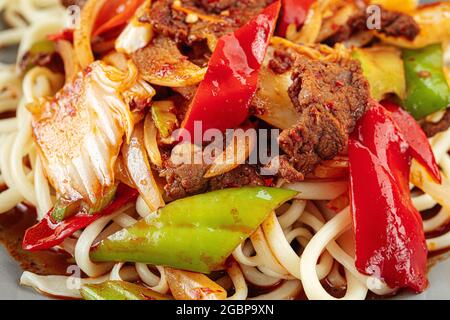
(398, 24)
(166, 21)
(287, 171)
(216, 6)
(432, 129)
(281, 62)
(68, 3)
(184, 180)
(330, 97)
(244, 175)
(338, 87)
(395, 24)
(50, 60)
(317, 136)
(222, 17)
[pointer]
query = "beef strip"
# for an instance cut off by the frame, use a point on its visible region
(166, 21)
(330, 97)
(432, 129)
(394, 24)
(229, 15)
(397, 24)
(281, 62)
(244, 175)
(68, 3)
(184, 180)
(187, 179)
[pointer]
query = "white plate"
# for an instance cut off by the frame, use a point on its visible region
(10, 273)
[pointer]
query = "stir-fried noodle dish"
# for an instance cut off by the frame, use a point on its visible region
(224, 149)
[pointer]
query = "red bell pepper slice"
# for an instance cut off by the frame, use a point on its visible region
(66, 34)
(115, 14)
(223, 97)
(48, 233)
(390, 241)
(416, 138)
(293, 12)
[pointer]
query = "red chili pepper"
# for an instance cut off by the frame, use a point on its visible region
(223, 97)
(47, 233)
(390, 241)
(66, 34)
(416, 138)
(293, 12)
(115, 14)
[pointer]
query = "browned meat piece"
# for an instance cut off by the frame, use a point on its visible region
(166, 21)
(432, 129)
(50, 60)
(317, 136)
(244, 175)
(330, 97)
(287, 171)
(184, 180)
(187, 179)
(395, 24)
(218, 17)
(282, 62)
(216, 6)
(398, 24)
(68, 3)
(339, 88)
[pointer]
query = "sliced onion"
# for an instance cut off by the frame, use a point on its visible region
(332, 169)
(82, 35)
(311, 29)
(138, 167)
(446, 50)
(193, 286)
(161, 63)
(67, 53)
(339, 204)
(439, 192)
(151, 142)
(339, 18)
(318, 190)
(235, 154)
(136, 34)
(272, 96)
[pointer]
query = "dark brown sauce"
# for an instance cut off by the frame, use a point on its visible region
(12, 228)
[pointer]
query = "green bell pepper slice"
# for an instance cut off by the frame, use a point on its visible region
(383, 68)
(119, 290)
(197, 233)
(427, 90)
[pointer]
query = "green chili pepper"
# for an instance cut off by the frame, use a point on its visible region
(427, 87)
(196, 233)
(63, 210)
(119, 290)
